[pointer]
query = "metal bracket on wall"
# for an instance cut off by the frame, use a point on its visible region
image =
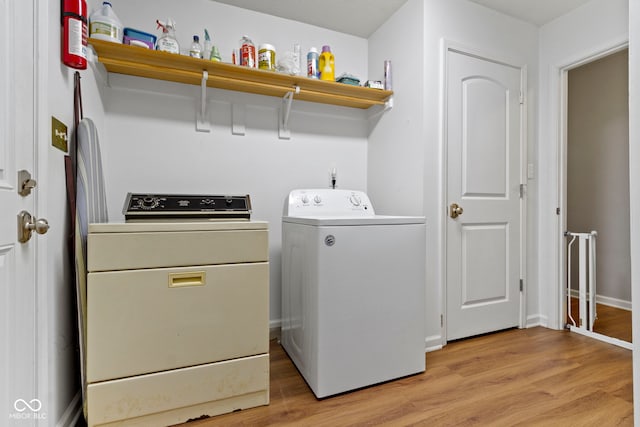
(202, 120)
(99, 70)
(388, 104)
(376, 111)
(285, 110)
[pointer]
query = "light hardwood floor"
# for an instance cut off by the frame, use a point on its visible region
(528, 377)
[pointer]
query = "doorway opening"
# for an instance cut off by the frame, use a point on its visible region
(595, 191)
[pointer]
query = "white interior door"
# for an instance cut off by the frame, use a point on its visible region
(484, 150)
(18, 400)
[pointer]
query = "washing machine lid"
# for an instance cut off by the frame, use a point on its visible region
(326, 221)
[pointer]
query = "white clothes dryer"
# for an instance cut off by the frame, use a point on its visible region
(353, 291)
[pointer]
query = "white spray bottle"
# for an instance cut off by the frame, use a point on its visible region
(167, 42)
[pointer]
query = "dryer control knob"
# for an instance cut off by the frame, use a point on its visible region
(355, 200)
(304, 199)
(317, 199)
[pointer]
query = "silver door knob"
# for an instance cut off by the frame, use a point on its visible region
(27, 224)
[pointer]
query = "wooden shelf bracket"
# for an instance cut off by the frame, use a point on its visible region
(378, 110)
(202, 120)
(285, 110)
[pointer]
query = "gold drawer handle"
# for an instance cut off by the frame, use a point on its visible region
(191, 278)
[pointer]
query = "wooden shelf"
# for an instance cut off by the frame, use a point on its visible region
(137, 61)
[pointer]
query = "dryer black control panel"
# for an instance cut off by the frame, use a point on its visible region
(187, 207)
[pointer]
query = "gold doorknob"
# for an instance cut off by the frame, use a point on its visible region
(455, 211)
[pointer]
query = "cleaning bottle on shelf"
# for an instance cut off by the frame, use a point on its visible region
(206, 53)
(312, 63)
(211, 51)
(247, 52)
(326, 64)
(195, 51)
(167, 42)
(105, 25)
(215, 54)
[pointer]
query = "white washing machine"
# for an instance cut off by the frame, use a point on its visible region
(353, 291)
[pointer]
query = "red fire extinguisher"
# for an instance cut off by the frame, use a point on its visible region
(74, 33)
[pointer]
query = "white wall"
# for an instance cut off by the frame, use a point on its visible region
(62, 352)
(396, 144)
(591, 29)
(150, 144)
(405, 149)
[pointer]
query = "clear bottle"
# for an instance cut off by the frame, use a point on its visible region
(206, 54)
(312, 63)
(247, 52)
(167, 42)
(195, 51)
(105, 25)
(296, 59)
(388, 82)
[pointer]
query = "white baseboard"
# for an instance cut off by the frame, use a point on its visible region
(537, 320)
(613, 302)
(433, 343)
(73, 413)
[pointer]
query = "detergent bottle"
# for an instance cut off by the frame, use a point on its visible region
(167, 42)
(105, 25)
(326, 64)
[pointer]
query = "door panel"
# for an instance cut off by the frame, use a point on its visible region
(484, 278)
(484, 139)
(483, 177)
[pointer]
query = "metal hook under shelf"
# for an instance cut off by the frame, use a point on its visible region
(285, 111)
(202, 122)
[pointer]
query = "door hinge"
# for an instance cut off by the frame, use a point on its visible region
(521, 285)
(521, 97)
(521, 191)
(557, 211)
(442, 320)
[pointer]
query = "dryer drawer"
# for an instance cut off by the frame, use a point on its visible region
(131, 250)
(142, 321)
(172, 397)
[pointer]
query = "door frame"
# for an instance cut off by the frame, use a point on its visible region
(562, 141)
(447, 45)
(42, 132)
